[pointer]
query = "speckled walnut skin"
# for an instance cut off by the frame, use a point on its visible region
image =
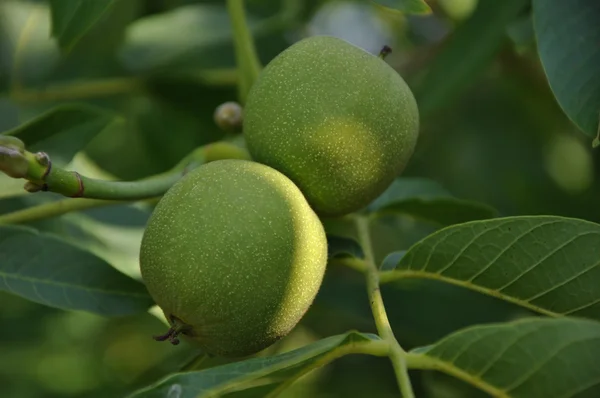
(234, 250)
(337, 120)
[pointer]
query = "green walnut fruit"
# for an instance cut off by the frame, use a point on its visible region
(223, 150)
(337, 120)
(234, 256)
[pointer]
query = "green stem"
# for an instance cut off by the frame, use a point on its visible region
(77, 90)
(53, 209)
(424, 362)
(396, 353)
(111, 86)
(376, 348)
(245, 50)
(44, 176)
(16, 162)
(420, 361)
(351, 262)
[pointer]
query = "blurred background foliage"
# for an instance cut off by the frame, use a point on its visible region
(491, 131)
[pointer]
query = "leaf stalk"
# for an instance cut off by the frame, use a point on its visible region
(90, 193)
(376, 348)
(247, 60)
(396, 353)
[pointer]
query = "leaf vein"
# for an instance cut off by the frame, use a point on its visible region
(66, 285)
(432, 249)
(465, 347)
(582, 388)
(543, 363)
(576, 309)
(545, 257)
(508, 247)
(566, 281)
(469, 244)
(501, 352)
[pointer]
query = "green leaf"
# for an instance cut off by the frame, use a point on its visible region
(427, 200)
(256, 372)
(119, 246)
(24, 28)
(71, 19)
(547, 264)
(466, 54)
(391, 260)
(64, 130)
(342, 247)
(11, 187)
(568, 36)
(194, 35)
(528, 358)
(406, 6)
(48, 270)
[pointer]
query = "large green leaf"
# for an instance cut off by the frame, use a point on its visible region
(265, 373)
(427, 200)
(190, 35)
(528, 358)
(64, 130)
(546, 264)
(71, 19)
(406, 6)
(50, 271)
(568, 36)
(466, 54)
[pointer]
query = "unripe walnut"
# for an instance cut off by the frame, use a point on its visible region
(337, 120)
(234, 256)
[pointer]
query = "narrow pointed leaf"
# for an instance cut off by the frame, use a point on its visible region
(568, 36)
(48, 270)
(266, 373)
(544, 263)
(429, 201)
(63, 131)
(528, 358)
(71, 19)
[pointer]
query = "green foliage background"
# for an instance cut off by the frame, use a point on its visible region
(492, 131)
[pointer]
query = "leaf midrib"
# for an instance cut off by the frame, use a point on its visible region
(450, 368)
(391, 276)
(438, 364)
(229, 384)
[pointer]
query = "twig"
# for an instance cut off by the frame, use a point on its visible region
(397, 354)
(245, 50)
